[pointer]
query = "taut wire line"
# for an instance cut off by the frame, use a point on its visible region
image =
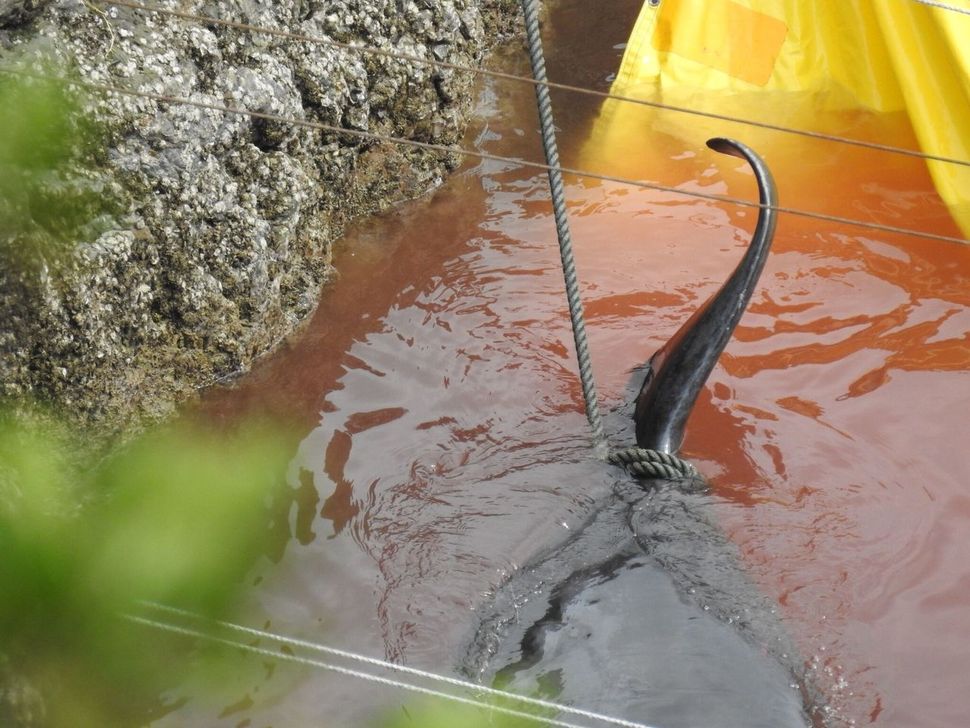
(162, 98)
(943, 6)
(282, 656)
(383, 52)
(344, 654)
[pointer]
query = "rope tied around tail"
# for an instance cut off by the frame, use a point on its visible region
(653, 465)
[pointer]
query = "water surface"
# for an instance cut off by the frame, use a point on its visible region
(444, 438)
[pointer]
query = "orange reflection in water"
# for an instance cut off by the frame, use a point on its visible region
(445, 441)
(834, 423)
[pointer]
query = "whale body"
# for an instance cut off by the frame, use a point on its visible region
(644, 612)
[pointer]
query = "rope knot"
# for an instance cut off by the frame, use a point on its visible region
(653, 465)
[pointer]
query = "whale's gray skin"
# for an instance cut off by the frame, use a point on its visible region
(677, 372)
(645, 613)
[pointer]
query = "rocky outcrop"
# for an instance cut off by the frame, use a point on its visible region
(219, 231)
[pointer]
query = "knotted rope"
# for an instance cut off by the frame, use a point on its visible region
(653, 465)
(639, 462)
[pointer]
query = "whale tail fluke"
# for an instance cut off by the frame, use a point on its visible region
(677, 372)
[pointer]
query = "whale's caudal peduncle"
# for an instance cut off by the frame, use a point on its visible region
(677, 372)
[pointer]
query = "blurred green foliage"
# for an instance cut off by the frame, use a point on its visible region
(51, 192)
(178, 517)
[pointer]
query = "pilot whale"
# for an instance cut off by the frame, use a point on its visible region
(644, 613)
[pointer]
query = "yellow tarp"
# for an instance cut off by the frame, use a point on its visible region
(807, 64)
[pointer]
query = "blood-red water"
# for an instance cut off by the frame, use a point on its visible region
(444, 435)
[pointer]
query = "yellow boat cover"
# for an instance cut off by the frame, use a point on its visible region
(808, 64)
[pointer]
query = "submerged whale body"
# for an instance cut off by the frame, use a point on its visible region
(645, 613)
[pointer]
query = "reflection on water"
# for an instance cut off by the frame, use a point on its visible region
(445, 441)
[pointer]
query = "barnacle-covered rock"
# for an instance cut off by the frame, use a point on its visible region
(218, 233)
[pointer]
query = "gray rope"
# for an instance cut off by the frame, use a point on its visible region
(653, 464)
(557, 189)
(639, 462)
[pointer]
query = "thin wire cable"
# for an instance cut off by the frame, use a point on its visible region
(456, 682)
(282, 656)
(397, 55)
(319, 126)
(557, 191)
(304, 644)
(944, 6)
